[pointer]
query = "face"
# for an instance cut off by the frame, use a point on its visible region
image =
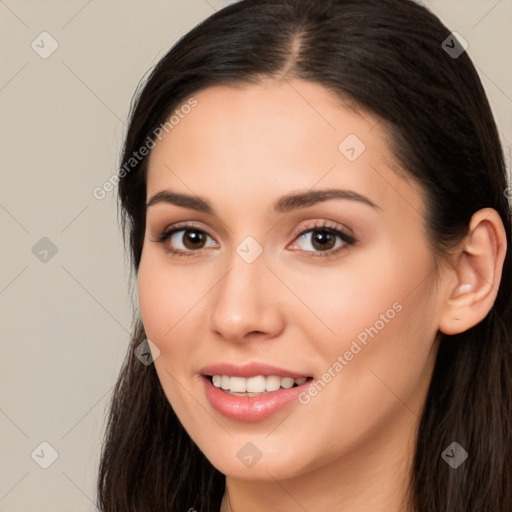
(333, 294)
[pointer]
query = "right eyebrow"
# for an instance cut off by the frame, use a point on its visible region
(183, 200)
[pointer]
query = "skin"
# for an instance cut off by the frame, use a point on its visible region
(350, 448)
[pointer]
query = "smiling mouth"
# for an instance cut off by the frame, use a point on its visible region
(254, 386)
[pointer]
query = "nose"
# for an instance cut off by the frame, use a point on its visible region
(245, 304)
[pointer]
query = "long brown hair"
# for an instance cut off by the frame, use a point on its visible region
(390, 59)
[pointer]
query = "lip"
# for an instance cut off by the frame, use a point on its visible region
(251, 408)
(247, 370)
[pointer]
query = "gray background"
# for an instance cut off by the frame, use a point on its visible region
(65, 317)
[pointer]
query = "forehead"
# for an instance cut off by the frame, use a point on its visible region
(276, 136)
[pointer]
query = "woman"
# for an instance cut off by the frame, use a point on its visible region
(317, 221)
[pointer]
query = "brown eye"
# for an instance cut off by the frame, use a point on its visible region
(188, 239)
(192, 239)
(185, 240)
(323, 240)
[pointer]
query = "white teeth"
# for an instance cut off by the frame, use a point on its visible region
(225, 382)
(272, 383)
(255, 384)
(258, 384)
(287, 383)
(238, 384)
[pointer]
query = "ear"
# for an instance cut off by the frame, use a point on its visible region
(476, 274)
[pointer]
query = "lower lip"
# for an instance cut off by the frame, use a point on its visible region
(251, 408)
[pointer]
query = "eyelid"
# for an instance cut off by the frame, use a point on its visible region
(323, 224)
(348, 239)
(166, 232)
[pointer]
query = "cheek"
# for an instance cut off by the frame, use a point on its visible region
(172, 306)
(152, 299)
(381, 318)
(373, 292)
(164, 315)
(159, 303)
(385, 324)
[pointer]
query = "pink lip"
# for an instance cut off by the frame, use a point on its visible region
(249, 370)
(246, 408)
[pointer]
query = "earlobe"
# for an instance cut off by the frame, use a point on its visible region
(478, 268)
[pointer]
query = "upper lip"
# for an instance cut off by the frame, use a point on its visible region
(251, 369)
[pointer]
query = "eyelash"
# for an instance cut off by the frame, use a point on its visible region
(348, 240)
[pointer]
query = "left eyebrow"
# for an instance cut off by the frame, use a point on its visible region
(284, 204)
(304, 199)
